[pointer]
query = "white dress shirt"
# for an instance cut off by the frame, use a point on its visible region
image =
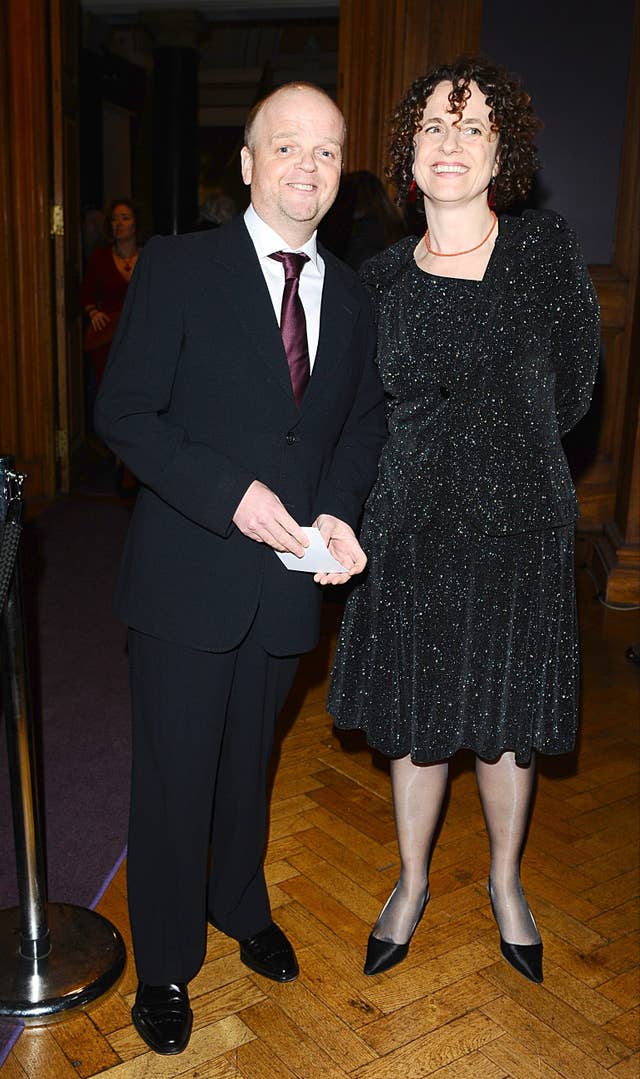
(266, 241)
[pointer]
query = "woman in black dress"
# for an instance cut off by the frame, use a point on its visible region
(463, 633)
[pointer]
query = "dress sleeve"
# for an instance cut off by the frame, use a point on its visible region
(370, 275)
(378, 274)
(575, 336)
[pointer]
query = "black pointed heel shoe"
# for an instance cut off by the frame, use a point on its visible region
(384, 954)
(525, 958)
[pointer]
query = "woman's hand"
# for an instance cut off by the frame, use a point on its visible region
(98, 319)
(343, 545)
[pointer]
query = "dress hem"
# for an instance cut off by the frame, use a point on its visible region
(417, 758)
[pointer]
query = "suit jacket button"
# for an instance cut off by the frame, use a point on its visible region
(444, 392)
(291, 438)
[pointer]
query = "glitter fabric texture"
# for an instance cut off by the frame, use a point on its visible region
(462, 633)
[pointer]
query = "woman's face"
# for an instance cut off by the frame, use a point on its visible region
(455, 159)
(123, 223)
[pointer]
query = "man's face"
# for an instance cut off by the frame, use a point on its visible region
(294, 162)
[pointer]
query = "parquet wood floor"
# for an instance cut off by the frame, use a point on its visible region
(454, 1009)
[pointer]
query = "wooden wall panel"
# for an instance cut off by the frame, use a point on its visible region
(8, 363)
(616, 551)
(370, 41)
(596, 481)
(26, 358)
(384, 45)
(597, 484)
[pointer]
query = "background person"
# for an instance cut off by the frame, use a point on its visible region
(217, 209)
(93, 233)
(464, 632)
(363, 220)
(106, 281)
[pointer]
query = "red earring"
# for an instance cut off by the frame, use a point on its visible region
(413, 192)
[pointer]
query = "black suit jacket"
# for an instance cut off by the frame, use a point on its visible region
(197, 401)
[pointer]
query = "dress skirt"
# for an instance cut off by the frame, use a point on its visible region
(459, 641)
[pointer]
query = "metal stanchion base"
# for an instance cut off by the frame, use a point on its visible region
(87, 956)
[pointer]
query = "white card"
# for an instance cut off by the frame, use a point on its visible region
(316, 558)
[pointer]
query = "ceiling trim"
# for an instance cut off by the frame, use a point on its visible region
(215, 10)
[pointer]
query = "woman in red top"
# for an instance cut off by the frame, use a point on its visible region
(106, 280)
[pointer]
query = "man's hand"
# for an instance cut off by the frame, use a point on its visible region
(343, 545)
(262, 517)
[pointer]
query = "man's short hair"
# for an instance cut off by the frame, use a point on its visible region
(257, 108)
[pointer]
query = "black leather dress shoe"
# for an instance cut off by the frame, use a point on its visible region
(269, 953)
(162, 1017)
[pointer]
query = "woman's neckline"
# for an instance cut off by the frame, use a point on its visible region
(453, 277)
(131, 261)
(447, 277)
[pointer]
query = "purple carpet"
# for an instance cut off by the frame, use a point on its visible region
(69, 556)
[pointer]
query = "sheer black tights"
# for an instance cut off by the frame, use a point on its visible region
(418, 792)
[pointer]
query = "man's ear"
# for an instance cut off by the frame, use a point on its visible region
(246, 164)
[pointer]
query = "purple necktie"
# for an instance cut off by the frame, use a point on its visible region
(293, 324)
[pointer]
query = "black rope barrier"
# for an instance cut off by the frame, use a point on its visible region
(11, 534)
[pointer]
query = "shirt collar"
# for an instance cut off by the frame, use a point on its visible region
(266, 240)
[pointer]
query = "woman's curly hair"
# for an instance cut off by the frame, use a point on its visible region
(511, 116)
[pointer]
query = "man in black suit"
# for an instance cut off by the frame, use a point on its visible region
(241, 391)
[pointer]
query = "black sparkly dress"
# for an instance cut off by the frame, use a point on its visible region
(454, 637)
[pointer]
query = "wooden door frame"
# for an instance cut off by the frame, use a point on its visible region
(60, 222)
(69, 374)
(27, 400)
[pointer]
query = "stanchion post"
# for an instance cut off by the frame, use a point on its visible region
(34, 931)
(53, 956)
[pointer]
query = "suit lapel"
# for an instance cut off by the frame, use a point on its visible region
(240, 280)
(241, 283)
(338, 315)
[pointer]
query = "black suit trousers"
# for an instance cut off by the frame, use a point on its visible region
(203, 727)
